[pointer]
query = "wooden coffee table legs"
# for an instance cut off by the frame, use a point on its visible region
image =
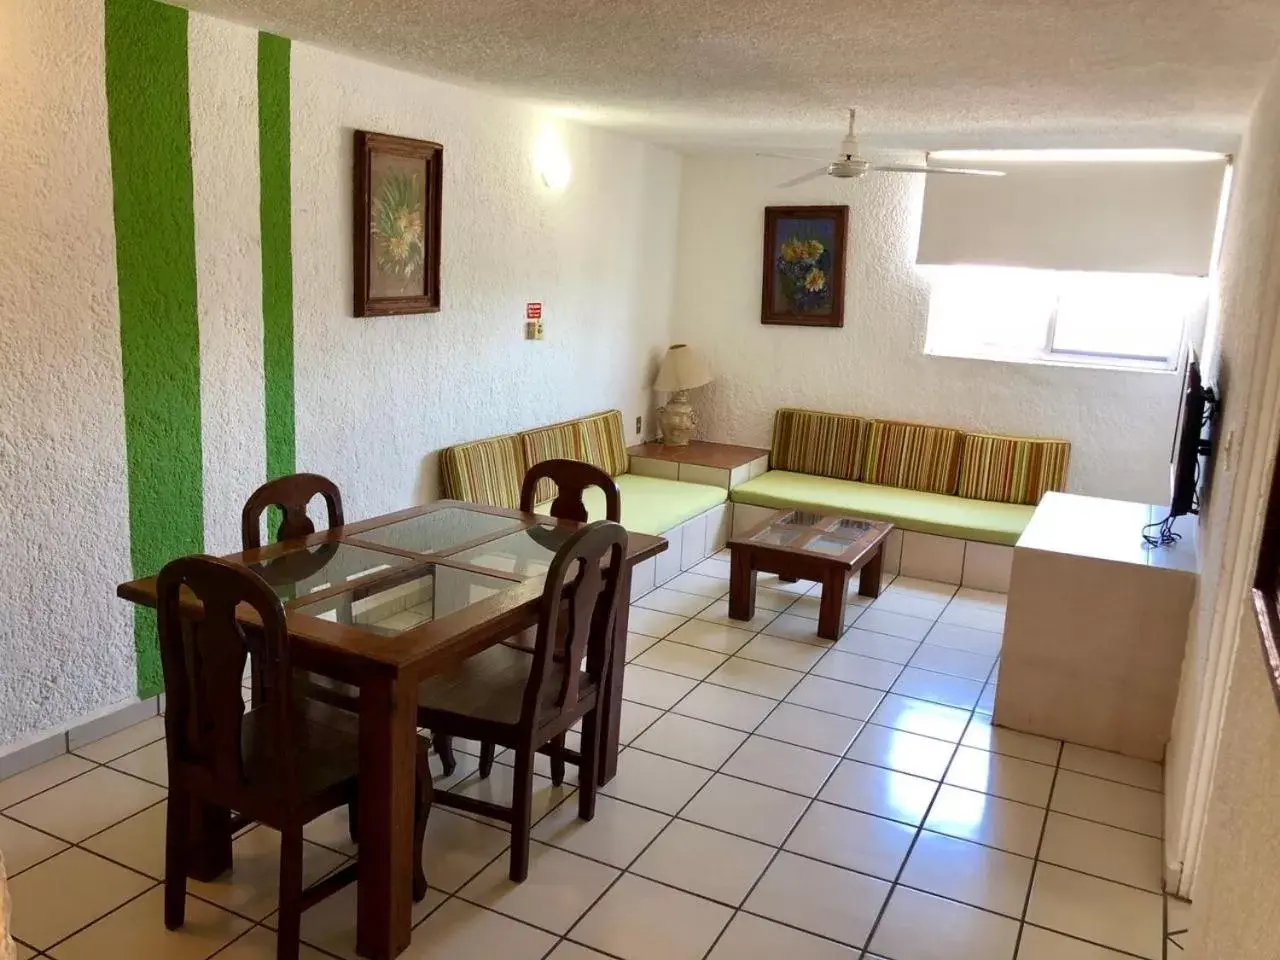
(835, 585)
(872, 571)
(742, 586)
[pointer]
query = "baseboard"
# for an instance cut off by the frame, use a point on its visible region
(101, 723)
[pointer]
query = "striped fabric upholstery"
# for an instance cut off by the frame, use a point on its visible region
(1012, 469)
(600, 438)
(484, 471)
(825, 444)
(556, 442)
(912, 455)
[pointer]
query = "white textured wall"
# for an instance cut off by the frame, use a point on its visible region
(375, 397)
(66, 642)
(1120, 423)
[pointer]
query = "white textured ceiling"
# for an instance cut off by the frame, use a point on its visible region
(925, 73)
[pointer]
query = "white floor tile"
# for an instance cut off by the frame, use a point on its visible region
(791, 654)
(846, 699)
(919, 716)
(969, 872)
(746, 809)
(331, 925)
(641, 920)
(754, 938)
(125, 741)
(917, 926)
(758, 678)
(716, 637)
(815, 729)
(635, 719)
(81, 807)
(1103, 851)
(955, 663)
(24, 847)
(718, 612)
(855, 668)
(65, 893)
(902, 751)
(893, 624)
(137, 843)
(716, 566)
(658, 783)
(794, 627)
(499, 787)
(456, 848)
(260, 944)
(852, 839)
(1001, 776)
(732, 708)
(678, 658)
(135, 930)
(615, 836)
(878, 645)
(978, 616)
(886, 793)
(1004, 824)
(909, 604)
(819, 898)
(1106, 802)
(938, 688)
(567, 950)
(460, 931)
(700, 584)
(559, 889)
(781, 765)
(149, 763)
(1097, 910)
(1113, 766)
(654, 688)
(704, 861)
(638, 643)
(652, 623)
(982, 642)
(672, 601)
(48, 774)
(691, 741)
(1038, 944)
(984, 735)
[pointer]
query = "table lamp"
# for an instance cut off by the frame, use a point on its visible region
(682, 370)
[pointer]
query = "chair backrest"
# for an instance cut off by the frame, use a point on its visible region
(291, 495)
(571, 479)
(576, 619)
(204, 658)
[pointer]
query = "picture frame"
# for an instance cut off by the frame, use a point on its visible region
(396, 229)
(1266, 584)
(804, 263)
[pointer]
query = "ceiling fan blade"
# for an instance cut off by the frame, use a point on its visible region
(804, 178)
(794, 156)
(921, 168)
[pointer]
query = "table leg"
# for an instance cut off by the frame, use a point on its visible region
(742, 586)
(831, 609)
(611, 702)
(388, 757)
(869, 578)
(209, 840)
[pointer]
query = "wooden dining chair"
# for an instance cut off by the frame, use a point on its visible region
(528, 701)
(282, 764)
(291, 495)
(571, 479)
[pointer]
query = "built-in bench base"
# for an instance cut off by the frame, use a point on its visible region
(690, 543)
(925, 556)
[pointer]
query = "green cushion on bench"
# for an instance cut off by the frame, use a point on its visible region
(653, 505)
(945, 515)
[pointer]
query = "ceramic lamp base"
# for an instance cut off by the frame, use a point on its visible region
(677, 420)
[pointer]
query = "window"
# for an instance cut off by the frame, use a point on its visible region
(1038, 316)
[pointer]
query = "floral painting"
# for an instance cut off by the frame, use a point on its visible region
(397, 228)
(804, 266)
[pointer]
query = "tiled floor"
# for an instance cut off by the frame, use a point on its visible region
(780, 796)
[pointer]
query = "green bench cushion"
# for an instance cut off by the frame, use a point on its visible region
(916, 510)
(653, 505)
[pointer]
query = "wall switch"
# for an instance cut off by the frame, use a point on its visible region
(639, 425)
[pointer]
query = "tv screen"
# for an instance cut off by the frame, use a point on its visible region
(1185, 458)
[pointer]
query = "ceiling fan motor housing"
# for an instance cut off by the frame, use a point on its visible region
(848, 168)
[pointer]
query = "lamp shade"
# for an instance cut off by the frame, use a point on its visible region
(682, 369)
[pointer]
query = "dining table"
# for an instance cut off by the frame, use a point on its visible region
(380, 605)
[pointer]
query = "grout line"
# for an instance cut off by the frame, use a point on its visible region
(1035, 863)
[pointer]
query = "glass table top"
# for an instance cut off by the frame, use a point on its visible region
(779, 535)
(527, 553)
(438, 530)
(310, 569)
(405, 599)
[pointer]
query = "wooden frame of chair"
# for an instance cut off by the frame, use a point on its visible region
(284, 763)
(579, 605)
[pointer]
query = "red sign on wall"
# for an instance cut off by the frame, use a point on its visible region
(533, 311)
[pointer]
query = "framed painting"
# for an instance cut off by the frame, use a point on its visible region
(804, 266)
(397, 225)
(1266, 583)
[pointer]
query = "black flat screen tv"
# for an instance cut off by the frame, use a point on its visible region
(1188, 444)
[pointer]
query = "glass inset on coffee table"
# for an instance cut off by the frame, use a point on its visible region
(802, 545)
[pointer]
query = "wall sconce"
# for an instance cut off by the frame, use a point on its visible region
(551, 162)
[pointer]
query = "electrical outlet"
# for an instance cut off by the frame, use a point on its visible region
(639, 425)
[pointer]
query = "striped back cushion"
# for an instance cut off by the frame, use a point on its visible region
(484, 471)
(600, 439)
(1012, 469)
(556, 442)
(826, 444)
(912, 455)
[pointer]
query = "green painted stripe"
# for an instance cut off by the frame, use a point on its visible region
(276, 208)
(149, 128)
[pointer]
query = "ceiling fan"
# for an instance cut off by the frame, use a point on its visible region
(849, 166)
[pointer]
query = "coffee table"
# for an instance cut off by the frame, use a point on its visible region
(799, 545)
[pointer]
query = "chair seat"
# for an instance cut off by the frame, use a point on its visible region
(327, 751)
(488, 686)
